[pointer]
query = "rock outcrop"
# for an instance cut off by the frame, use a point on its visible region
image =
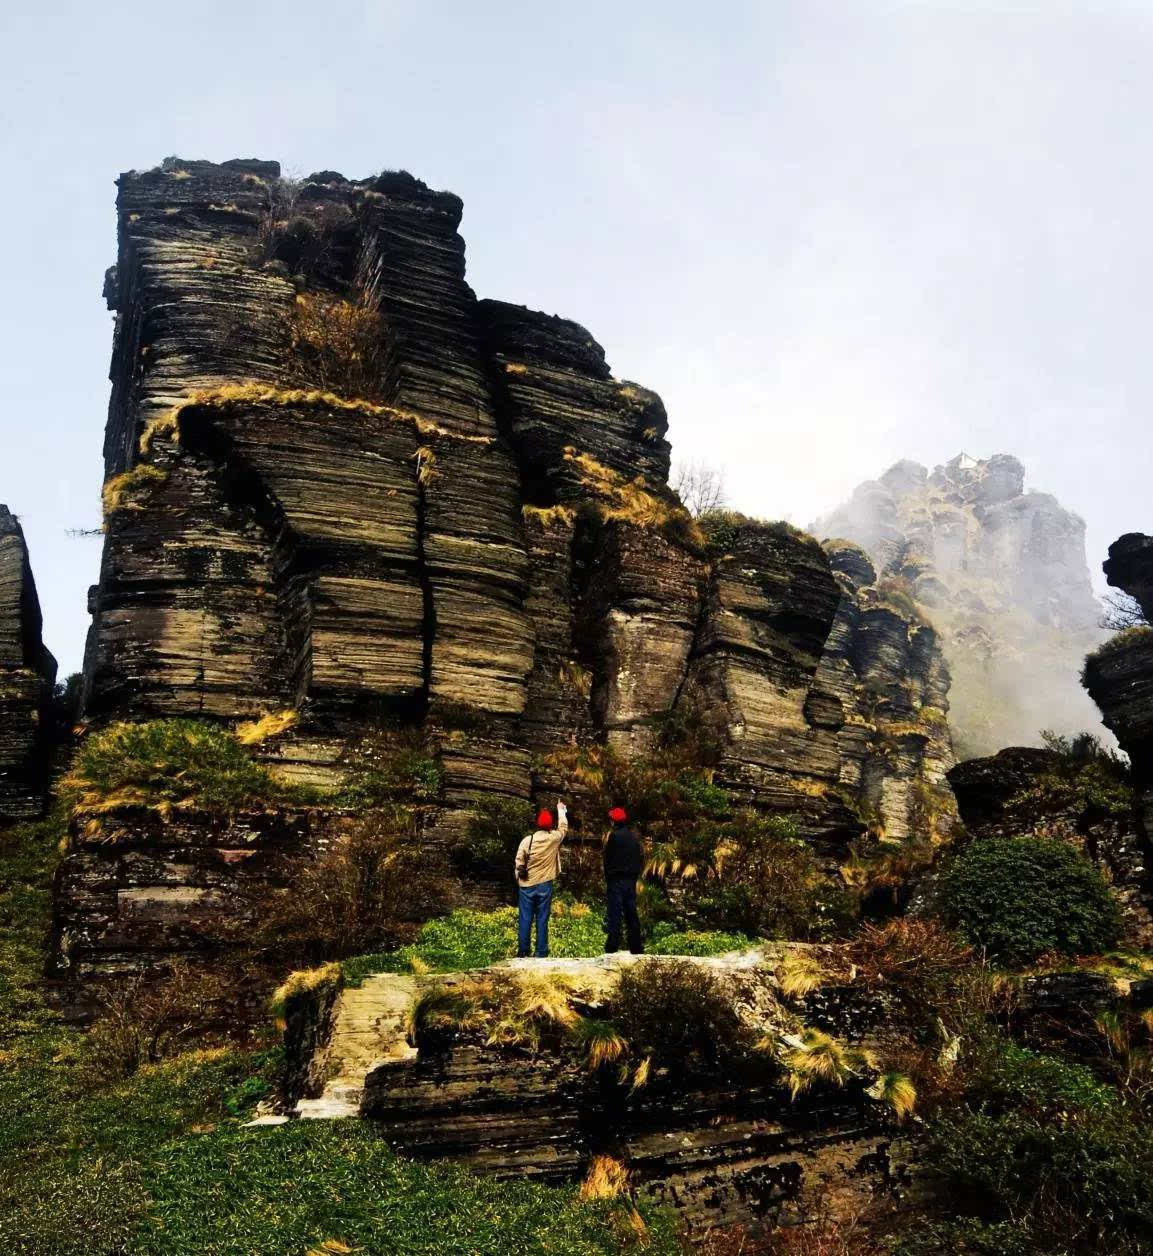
(883, 686)
(735, 1149)
(1001, 575)
(27, 676)
(1119, 675)
(338, 483)
(1029, 791)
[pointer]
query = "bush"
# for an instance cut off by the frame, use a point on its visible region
(678, 1014)
(171, 765)
(1019, 898)
(496, 827)
(766, 883)
(390, 765)
(365, 890)
(1041, 1140)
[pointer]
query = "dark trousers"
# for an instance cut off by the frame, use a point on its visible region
(622, 897)
(535, 904)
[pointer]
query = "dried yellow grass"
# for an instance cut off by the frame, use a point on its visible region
(426, 470)
(252, 392)
(270, 725)
(632, 501)
(897, 1092)
(129, 490)
(304, 981)
(800, 974)
(515, 368)
(549, 516)
(606, 1178)
(641, 1073)
(816, 1056)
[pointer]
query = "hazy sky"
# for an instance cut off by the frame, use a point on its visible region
(831, 234)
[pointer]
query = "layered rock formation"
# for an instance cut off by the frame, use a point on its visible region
(27, 676)
(1001, 574)
(1119, 675)
(338, 483)
(884, 666)
(720, 1150)
(1028, 791)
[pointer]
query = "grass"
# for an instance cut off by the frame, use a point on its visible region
(633, 501)
(161, 1165)
(130, 489)
(252, 392)
(1123, 639)
(172, 765)
(466, 940)
(549, 516)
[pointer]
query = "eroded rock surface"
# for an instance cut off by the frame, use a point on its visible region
(719, 1151)
(1020, 792)
(27, 676)
(1119, 675)
(338, 483)
(1001, 574)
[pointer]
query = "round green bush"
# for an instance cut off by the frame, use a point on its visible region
(1019, 898)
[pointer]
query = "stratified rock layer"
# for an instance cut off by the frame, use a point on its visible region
(883, 685)
(725, 1149)
(27, 675)
(1119, 676)
(1010, 794)
(338, 483)
(1001, 574)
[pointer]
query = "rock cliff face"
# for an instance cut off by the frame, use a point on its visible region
(338, 483)
(885, 671)
(1018, 792)
(1001, 574)
(1119, 675)
(27, 675)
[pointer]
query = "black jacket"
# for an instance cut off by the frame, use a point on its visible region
(624, 855)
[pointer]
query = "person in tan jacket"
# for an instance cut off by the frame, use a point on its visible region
(536, 868)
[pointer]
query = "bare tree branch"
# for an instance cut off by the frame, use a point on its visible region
(1121, 611)
(700, 487)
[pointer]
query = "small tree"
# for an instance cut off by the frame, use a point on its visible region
(700, 487)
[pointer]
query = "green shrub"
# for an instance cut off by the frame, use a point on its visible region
(390, 765)
(496, 827)
(969, 1237)
(168, 765)
(1041, 1139)
(766, 883)
(1019, 898)
(696, 942)
(677, 1014)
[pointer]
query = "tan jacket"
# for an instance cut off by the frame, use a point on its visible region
(542, 849)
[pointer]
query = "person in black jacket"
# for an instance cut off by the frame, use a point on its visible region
(624, 863)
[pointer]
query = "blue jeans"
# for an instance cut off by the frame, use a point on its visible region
(622, 900)
(535, 903)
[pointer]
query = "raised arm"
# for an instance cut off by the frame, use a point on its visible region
(561, 818)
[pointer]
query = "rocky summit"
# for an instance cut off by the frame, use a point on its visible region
(1001, 574)
(338, 485)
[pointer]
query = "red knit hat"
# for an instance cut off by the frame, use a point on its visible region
(617, 815)
(544, 819)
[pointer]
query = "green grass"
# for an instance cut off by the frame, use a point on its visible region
(466, 939)
(289, 1189)
(159, 1164)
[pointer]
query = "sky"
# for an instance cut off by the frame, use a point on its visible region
(831, 233)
